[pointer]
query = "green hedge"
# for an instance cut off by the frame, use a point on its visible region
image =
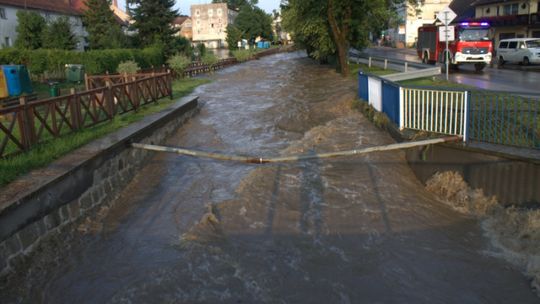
(95, 62)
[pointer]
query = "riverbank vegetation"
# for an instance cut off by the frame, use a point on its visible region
(327, 29)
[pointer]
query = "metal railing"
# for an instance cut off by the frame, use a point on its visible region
(409, 69)
(438, 111)
(503, 118)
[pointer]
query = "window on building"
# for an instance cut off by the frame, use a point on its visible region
(2, 13)
(7, 41)
(197, 12)
(536, 34)
(219, 12)
(511, 9)
(210, 12)
(435, 15)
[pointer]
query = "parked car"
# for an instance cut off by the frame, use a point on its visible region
(519, 50)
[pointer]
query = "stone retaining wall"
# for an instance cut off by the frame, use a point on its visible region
(88, 182)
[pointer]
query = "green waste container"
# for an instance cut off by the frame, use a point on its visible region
(54, 90)
(74, 73)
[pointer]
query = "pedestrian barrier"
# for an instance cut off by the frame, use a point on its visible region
(503, 118)
(434, 111)
(29, 123)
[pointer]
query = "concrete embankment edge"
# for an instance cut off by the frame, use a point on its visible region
(52, 200)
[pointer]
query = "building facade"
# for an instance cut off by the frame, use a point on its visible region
(49, 9)
(184, 24)
(509, 19)
(410, 18)
(209, 24)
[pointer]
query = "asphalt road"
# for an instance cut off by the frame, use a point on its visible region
(491, 78)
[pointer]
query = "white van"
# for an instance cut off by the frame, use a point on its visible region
(519, 50)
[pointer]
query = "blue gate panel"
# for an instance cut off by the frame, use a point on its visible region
(363, 91)
(390, 101)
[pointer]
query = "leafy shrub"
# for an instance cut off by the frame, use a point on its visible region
(128, 67)
(242, 55)
(209, 59)
(43, 61)
(179, 63)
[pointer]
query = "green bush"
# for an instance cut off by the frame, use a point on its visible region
(179, 63)
(128, 67)
(42, 61)
(242, 55)
(209, 59)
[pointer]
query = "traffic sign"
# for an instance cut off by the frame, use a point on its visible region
(446, 33)
(446, 16)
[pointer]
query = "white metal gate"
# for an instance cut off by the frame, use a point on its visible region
(438, 111)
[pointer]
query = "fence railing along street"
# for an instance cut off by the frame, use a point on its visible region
(502, 118)
(27, 124)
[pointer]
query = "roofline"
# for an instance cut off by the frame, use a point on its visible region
(74, 12)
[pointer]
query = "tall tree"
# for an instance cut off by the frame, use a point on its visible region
(254, 22)
(328, 27)
(104, 32)
(153, 19)
(58, 35)
(237, 4)
(29, 29)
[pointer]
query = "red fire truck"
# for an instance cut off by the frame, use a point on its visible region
(471, 45)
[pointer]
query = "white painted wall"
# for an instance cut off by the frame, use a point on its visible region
(8, 26)
(375, 93)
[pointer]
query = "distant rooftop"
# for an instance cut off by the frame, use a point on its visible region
(70, 7)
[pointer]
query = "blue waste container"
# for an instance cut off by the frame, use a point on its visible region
(267, 44)
(260, 45)
(18, 79)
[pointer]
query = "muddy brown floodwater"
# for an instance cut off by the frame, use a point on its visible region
(353, 230)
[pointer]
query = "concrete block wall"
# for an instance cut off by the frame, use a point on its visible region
(88, 187)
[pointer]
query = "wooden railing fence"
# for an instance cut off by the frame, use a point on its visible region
(30, 123)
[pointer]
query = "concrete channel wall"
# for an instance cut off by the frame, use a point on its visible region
(54, 201)
(512, 180)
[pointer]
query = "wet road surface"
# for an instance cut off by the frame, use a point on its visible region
(357, 230)
(490, 78)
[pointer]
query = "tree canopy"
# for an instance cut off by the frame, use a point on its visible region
(237, 4)
(329, 27)
(153, 19)
(251, 22)
(58, 35)
(104, 32)
(29, 29)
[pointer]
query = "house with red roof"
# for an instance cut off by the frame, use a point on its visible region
(50, 10)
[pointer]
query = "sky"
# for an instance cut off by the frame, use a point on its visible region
(183, 5)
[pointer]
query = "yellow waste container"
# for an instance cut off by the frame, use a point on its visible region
(3, 85)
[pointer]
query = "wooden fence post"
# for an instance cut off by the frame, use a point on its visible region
(86, 84)
(109, 100)
(169, 84)
(135, 93)
(26, 124)
(153, 85)
(75, 110)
